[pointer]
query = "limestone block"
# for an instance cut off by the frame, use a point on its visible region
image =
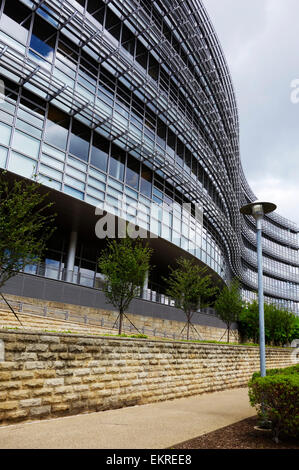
(40, 410)
(54, 382)
(30, 402)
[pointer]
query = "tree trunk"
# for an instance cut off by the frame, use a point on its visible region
(188, 325)
(228, 333)
(121, 314)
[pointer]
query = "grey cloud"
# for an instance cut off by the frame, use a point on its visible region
(261, 43)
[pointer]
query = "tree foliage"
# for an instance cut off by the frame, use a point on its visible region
(281, 326)
(25, 225)
(229, 305)
(190, 287)
(124, 264)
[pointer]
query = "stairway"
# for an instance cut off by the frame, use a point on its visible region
(39, 323)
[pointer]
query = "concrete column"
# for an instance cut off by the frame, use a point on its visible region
(145, 287)
(70, 264)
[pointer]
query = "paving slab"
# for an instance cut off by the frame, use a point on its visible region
(152, 426)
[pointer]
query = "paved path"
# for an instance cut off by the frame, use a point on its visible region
(153, 426)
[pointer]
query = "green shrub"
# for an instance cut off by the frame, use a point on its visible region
(276, 398)
(286, 371)
(295, 334)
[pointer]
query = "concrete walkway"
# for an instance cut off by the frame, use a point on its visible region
(153, 426)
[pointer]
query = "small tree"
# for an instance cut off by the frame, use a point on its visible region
(229, 305)
(248, 323)
(281, 326)
(25, 225)
(190, 287)
(124, 264)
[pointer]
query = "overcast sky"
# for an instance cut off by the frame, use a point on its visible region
(260, 39)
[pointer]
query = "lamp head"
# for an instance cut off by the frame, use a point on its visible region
(258, 209)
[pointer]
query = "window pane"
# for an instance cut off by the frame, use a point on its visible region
(51, 161)
(49, 182)
(117, 163)
(46, 170)
(132, 174)
(25, 144)
(16, 11)
(94, 192)
(3, 156)
(99, 152)
(55, 153)
(5, 132)
(43, 38)
(25, 126)
(146, 181)
(22, 165)
(73, 192)
(79, 141)
(57, 127)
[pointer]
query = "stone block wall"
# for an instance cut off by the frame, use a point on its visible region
(48, 375)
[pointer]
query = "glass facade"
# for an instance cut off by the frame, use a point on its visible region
(104, 100)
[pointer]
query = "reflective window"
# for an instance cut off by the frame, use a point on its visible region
(52, 161)
(97, 10)
(146, 181)
(99, 152)
(132, 172)
(55, 153)
(52, 268)
(79, 140)
(3, 156)
(117, 163)
(74, 182)
(5, 132)
(141, 55)
(25, 144)
(73, 192)
(49, 182)
(43, 38)
(95, 192)
(15, 10)
(22, 165)
(76, 173)
(112, 24)
(128, 40)
(57, 127)
(46, 170)
(25, 126)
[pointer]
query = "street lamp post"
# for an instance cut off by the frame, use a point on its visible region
(258, 209)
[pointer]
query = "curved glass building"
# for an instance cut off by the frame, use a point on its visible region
(133, 100)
